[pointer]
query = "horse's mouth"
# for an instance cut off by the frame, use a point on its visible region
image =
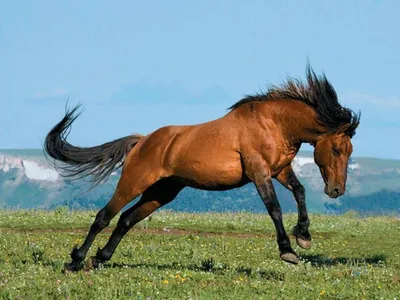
(334, 193)
(327, 190)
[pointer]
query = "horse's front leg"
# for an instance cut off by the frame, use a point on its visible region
(267, 193)
(288, 179)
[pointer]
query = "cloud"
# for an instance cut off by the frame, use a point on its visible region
(173, 93)
(375, 111)
(379, 124)
(364, 99)
(54, 95)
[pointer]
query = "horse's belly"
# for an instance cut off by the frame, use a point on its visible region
(211, 174)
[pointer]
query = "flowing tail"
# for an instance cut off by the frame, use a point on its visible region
(97, 162)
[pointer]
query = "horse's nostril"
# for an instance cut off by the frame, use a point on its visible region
(336, 191)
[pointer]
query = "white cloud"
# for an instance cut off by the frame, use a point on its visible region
(54, 95)
(176, 92)
(55, 92)
(365, 99)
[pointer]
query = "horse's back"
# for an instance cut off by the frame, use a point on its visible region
(203, 156)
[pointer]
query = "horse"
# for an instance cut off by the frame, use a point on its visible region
(255, 141)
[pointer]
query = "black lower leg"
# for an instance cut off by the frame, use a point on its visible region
(303, 222)
(288, 179)
(282, 238)
(78, 254)
(267, 193)
(122, 228)
(158, 195)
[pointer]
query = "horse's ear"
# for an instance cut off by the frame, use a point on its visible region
(344, 128)
(348, 128)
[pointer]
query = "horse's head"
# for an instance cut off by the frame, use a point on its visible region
(331, 154)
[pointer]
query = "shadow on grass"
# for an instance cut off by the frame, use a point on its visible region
(206, 266)
(319, 260)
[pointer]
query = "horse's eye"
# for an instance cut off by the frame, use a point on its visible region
(335, 151)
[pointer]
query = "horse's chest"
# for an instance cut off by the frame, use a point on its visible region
(283, 161)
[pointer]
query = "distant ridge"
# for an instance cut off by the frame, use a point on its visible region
(27, 181)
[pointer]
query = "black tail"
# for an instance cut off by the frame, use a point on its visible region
(97, 162)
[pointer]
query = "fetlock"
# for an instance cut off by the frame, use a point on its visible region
(77, 255)
(102, 255)
(285, 247)
(302, 232)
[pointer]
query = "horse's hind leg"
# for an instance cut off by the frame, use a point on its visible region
(125, 192)
(156, 196)
(102, 220)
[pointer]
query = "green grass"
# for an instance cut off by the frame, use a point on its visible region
(200, 256)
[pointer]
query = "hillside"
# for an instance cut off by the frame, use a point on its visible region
(27, 181)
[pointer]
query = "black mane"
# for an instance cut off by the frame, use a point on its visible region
(317, 93)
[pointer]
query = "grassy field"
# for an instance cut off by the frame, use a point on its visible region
(200, 256)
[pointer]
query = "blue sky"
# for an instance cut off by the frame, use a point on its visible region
(139, 65)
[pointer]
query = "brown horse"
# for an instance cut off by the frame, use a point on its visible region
(255, 142)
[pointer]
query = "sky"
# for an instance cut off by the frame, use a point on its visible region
(140, 65)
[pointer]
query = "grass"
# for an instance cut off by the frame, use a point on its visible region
(200, 256)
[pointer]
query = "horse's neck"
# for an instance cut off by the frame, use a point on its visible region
(298, 121)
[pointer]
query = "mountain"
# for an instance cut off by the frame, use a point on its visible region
(373, 187)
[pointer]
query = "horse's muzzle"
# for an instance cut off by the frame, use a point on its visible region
(334, 191)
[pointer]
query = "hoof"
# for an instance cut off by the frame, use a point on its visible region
(72, 267)
(290, 258)
(305, 244)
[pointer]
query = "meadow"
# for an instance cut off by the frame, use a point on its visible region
(200, 256)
